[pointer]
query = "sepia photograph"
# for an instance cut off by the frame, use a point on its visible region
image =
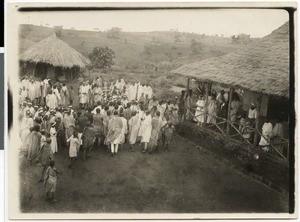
(159, 111)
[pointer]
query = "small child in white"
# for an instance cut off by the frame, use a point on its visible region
(74, 148)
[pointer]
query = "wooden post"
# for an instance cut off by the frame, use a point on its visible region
(186, 98)
(229, 110)
(257, 120)
(207, 86)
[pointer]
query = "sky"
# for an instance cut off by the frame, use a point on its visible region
(227, 22)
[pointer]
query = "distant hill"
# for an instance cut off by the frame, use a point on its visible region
(134, 49)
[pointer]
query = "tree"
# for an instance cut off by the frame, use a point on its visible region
(114, 33)
(102, 57)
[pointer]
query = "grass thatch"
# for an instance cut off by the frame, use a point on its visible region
(263, 67)
(55, 52)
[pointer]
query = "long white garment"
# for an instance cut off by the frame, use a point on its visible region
(84, 90)
(57, 94)
(25, 84)
(147, 128)
(51, 101)
(74, 146)
(267, 133)
(134, 125)
(45, 87)
(53, 144)
(124, 129)
(31, 91)
(26, 124)
(38, 91)
(200, 111)
(141, 115)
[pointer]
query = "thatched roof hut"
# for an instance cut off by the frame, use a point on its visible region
(262, 68)
(53, 52)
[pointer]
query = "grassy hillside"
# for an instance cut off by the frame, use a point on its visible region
(144, 56)
(130, 48)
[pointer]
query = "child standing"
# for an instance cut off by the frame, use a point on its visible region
(53, 134)
(74, 148)
(50, 181)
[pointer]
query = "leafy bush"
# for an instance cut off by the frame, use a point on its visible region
(102, 57)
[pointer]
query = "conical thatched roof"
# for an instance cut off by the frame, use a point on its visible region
(54, 51)
(262, 67)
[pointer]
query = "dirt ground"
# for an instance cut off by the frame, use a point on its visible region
(182, 180)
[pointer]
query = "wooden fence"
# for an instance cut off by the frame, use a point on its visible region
(278, 150)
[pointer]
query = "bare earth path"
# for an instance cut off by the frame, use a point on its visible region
(183, 180)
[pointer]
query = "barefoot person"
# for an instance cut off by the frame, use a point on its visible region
(50, 181)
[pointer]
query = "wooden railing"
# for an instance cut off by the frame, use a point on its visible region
(235, 134)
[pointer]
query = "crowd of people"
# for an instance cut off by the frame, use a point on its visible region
(108, 116)
(215, 110)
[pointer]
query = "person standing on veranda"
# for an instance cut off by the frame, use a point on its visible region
(266, 135)
(200, 110)
(212, 110)
(234, 107)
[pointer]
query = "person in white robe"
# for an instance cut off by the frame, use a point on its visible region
(212, 110)
(23, 94)
(146, 128)
(122, 84)
(53, 137)
(133, 129)
(51, 100)
(124, 130)
(26, 124)
(83, 94)
(64, 96)
(31, 90)
(266, 135)
(25, 83)
(200, 110)
(38, 91)
(57, 94)
(45, 90)
(97, 92)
